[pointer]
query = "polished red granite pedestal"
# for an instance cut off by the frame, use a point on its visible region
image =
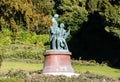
(57, 62)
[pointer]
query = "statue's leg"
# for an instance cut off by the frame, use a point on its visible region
(51, 47)
(63, 45)
(66, 47)
(59, 44)
(54, 43)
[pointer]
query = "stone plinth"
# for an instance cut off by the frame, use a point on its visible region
(57, 62)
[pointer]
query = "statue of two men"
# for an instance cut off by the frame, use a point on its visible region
(58, 35)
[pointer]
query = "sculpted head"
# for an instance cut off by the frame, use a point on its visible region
(56, 16)
(62, 25)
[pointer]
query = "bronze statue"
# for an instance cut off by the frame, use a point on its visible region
(58, 35)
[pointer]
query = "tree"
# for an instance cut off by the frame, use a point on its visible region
(108, 10)
(97, 39)
(17, 13)
(72, 13)
(45, 8)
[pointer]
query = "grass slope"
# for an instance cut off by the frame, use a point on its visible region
(7, 65)
(97, 69)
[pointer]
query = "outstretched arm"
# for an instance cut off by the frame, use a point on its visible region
(67, 33)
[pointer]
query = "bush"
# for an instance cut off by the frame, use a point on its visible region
(44, 38)
(24, 51)
(5, 36)
(33, 38)
(0, 60)
(11, 80)
(85, 63)
(27, 37)
(27, 45)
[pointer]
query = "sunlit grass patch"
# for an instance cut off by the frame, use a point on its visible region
(8, 65)
(99, 69)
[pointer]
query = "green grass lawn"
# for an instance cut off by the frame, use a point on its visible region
(97, 69)
(7, 65)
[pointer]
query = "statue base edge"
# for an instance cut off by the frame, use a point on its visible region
(35, 76)
(64, 74)
(57, 52)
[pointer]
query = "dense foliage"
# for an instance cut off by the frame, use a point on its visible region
(95, 28)
(0, 60)
(75, 12)
(72, 13)
(107, 10)
(22, 51)
(16, 14)
(94, 25)
(99, 37)
(34, 14)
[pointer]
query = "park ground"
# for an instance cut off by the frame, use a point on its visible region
(20, 68)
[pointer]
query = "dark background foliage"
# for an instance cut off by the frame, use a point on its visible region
(92, 24)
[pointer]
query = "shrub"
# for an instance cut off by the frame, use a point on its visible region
(27, 45)
(0, 60)
(11, 80)
(5, 36)
(85, 63)
(44, 38)
(33, 38)
(27, 37)
(24, 51)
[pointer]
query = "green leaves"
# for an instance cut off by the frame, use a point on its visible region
(43, 6)
(107, 9)
(0, 60)
(72, 13)
(15, 13)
